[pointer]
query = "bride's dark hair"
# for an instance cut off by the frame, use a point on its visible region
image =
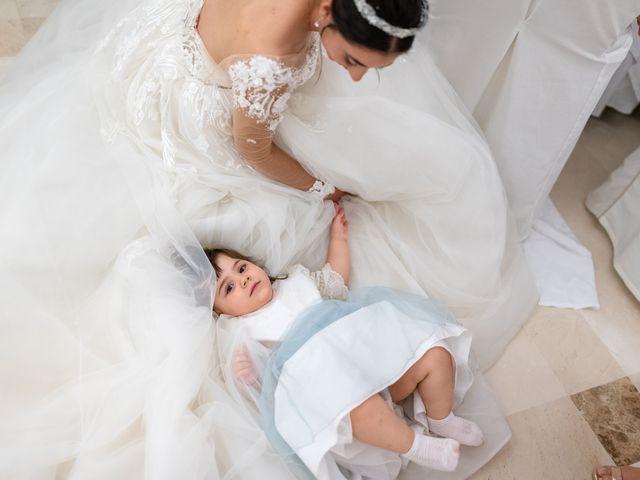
(356, 29)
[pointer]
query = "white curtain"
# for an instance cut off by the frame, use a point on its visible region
(623, 91)
(532, 72)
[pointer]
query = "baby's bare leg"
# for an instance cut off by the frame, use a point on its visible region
(433, 377)
(374, 422)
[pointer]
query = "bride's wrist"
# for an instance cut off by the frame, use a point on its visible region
(321, 189)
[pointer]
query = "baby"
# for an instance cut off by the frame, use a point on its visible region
(424, 353)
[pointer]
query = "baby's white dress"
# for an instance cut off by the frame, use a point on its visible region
(331, 355)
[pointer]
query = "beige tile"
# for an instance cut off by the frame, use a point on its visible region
(602, 147)
(612, 137)
(523, 378)
(9, 10)
(572, 349)
(36, 8)
(575, 177)
(11, 37)
(30, 26)
(617, 323)
(551, 441)
(581, 174)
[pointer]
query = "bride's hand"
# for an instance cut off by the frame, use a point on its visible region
(336, 196)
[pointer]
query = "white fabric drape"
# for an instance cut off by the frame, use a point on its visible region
(623, 91)
(616, 205)
(532, 72)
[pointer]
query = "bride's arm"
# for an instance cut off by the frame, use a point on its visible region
(254, 141)
(260, 93)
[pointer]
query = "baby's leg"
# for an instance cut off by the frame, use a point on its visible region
(434, 377)
(373, 422)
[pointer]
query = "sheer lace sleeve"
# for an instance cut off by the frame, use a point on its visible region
(261, 88)
(330, 283)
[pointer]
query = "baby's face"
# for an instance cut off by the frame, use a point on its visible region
(242, 287)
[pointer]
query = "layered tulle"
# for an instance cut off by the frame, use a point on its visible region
(109, 357)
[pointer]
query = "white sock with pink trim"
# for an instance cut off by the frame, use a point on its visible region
(464, 431)
(437, 453)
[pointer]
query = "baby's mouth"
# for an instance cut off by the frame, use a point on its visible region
(255, 285)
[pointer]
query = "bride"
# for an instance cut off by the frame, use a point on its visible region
(134, 132)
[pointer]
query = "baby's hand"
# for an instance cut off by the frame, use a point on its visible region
(243, 368)
(340, 225)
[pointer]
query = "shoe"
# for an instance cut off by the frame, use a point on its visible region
(616, 472)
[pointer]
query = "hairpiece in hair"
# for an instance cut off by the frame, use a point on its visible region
(369, 14)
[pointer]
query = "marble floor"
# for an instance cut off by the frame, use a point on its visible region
(569, 381)
(578, 404)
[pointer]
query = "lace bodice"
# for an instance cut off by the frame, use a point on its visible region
(162, 76)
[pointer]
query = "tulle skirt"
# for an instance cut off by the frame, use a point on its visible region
(355, 349)
(110, 363)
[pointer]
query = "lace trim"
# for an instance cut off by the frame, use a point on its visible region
(321, 189)
(330, 283)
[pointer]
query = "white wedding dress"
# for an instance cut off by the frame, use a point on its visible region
(117, 164)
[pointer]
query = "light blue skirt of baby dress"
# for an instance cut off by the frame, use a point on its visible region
(336, 355)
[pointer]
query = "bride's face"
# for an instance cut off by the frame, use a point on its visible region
(357, 60)
(242, 287)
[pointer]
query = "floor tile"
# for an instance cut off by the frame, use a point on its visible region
(551, 441)
(572, 349)
(617, 323)
(11, 36)
(30, 26)
(613, 413)
(612, 136)
(8, 10)
(523, 360)
(35, 8)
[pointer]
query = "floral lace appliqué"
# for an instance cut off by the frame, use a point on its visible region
(262, 85)
(261, 88)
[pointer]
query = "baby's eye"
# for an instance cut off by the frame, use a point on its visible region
(243, 268)
(228, 288)
(350, 61)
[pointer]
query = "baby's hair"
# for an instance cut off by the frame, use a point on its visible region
(213, 253)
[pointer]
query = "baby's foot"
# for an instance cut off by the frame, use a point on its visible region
(437, 453)
(464, 431)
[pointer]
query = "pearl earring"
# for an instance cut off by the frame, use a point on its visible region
(316, 24)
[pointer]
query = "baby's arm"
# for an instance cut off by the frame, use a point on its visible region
(338, 256)
(243, 368)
